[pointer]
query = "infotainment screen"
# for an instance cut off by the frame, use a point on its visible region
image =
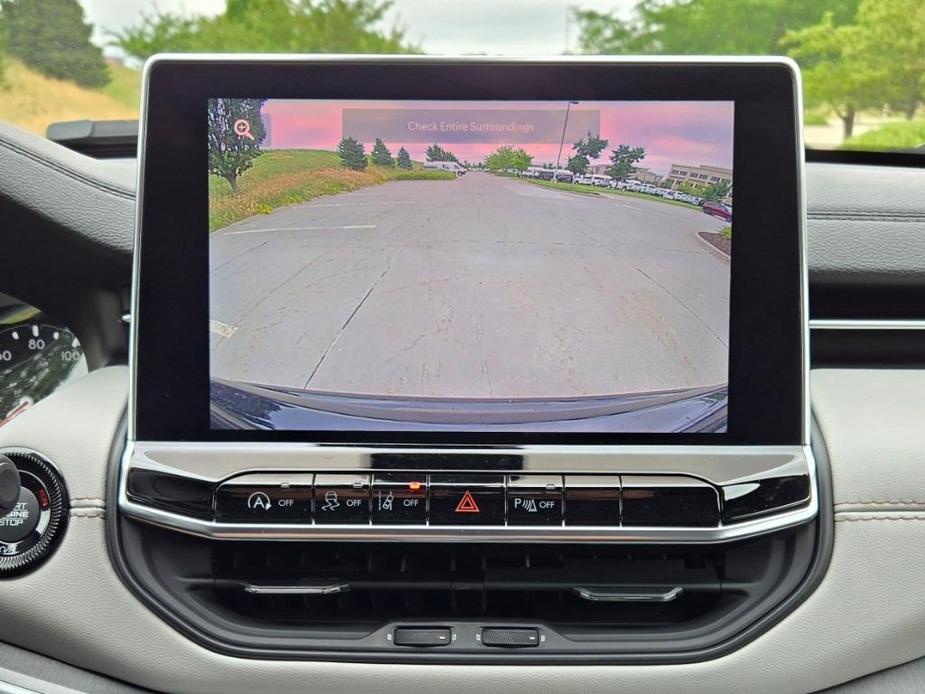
(470, 265)
(407, 250)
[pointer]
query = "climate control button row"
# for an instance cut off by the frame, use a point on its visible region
(469, 499)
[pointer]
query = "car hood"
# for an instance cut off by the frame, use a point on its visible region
(237, 405)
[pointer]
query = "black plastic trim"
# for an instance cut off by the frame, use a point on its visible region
(824, 532)
(903, 157)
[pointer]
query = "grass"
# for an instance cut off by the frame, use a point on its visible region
(32, 101)
(289, 177)
(583, 189)
(900, 135)
(124, 86)
(726, 232)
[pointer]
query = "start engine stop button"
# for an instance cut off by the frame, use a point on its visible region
(22, 520)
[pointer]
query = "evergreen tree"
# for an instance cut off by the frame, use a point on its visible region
(437, 153)
(404, 159)
(52, 37)
(351, 154)
(381, 155)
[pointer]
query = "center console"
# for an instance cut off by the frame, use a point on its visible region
(458, 361)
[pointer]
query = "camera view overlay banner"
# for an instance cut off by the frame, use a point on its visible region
(470, 266)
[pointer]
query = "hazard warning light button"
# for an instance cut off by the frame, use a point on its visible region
(467, 500)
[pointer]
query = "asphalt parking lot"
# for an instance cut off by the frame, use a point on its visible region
(478, 287)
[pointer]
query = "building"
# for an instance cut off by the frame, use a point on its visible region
(598, 169)
(644, 175)
(702, 175)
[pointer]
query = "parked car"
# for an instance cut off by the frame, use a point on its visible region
(451, 166)
(718, 209)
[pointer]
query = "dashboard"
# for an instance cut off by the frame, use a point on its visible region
(643, 567)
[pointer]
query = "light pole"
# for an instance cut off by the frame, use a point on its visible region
(555, 174)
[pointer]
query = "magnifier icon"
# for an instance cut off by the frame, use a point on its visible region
(242, 128)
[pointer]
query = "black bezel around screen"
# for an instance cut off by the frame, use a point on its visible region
(171, 348)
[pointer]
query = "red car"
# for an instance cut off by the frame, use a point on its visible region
(718, 209)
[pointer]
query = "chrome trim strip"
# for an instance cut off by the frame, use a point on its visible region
(328, 589)
(455, 533)
(717, 465)
(866, 324)
(629, 595)
(804, 254)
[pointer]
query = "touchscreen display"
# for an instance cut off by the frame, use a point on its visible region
(470, 266)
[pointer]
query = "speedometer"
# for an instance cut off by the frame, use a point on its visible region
(35, 358)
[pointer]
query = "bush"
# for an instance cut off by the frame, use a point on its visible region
(52, 37)
(902, 135)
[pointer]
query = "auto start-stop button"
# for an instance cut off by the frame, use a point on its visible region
(22, 520)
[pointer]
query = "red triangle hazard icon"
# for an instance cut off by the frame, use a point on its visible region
(467, 504)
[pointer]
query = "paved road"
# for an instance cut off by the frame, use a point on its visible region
(478, 287)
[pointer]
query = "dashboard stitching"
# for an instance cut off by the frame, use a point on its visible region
(73, 173)
(886, 502)
(859, 217)
(88, 514)
(851, 519)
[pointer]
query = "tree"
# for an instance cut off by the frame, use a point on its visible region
(578, 164)
(590, 146)
(690, 27)
(891, 43)
(404, 159)
(437, 153)
(622, 160)
(520, 160)
(52, 37)
(231, 150)
(351, 154)
(834, 69)
(715, 191)
(381, 155)
(263, 26)
(502, 159)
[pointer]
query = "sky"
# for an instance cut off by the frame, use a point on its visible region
(671, 132)
(502, 27)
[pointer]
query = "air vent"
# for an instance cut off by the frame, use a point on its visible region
(573, 588)
(345, 600)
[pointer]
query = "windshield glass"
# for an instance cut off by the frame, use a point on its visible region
(863, 61)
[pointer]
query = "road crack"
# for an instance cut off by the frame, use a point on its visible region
(327, 350)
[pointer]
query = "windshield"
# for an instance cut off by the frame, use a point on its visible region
(863, 61)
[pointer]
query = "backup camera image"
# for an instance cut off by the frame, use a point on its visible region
(470, 266)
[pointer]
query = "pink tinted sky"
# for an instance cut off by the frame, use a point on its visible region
(689, 132)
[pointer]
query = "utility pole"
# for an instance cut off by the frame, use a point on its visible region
(568, 106)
